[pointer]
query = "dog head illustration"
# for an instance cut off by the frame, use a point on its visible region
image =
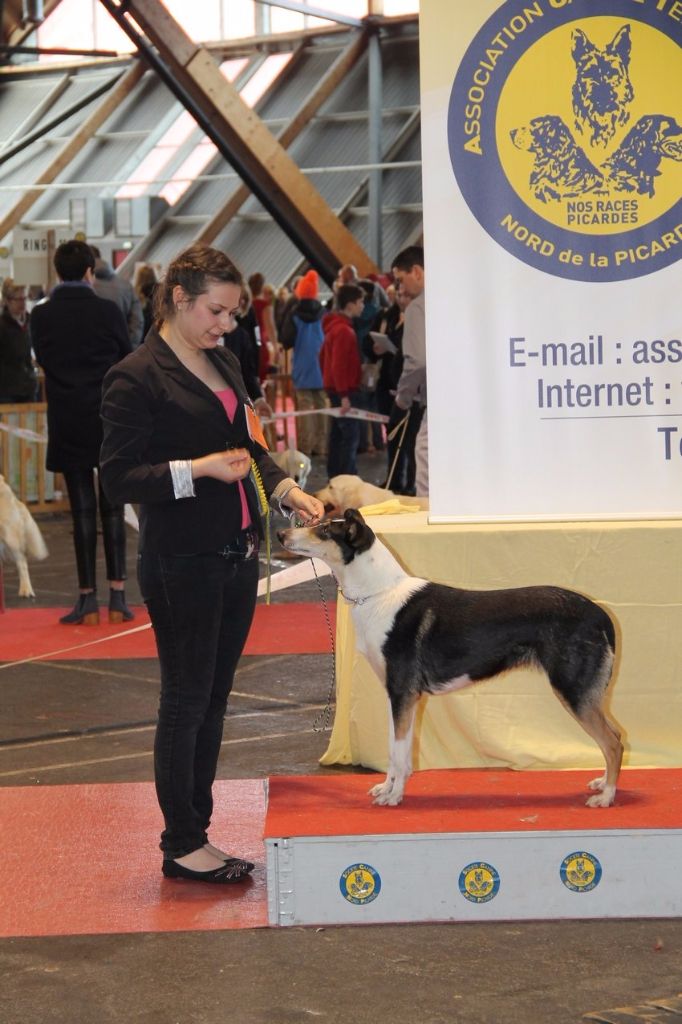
(657, 134)
(560, 169)
(545, 136)
(602, 90)
(634, 165)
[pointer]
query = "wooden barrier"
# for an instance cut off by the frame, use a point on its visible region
(281, 396)
(22, 457)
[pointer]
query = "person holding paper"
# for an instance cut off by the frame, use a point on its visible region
(408, 273)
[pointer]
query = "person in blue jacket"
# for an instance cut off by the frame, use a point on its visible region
(302, 331)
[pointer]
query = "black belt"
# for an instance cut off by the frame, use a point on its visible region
(242, 547)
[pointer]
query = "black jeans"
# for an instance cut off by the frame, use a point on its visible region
(80, 486)
(401, 449)
(344, 438)
(201, 607)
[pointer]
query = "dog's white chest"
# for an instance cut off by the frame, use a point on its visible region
(374, 619)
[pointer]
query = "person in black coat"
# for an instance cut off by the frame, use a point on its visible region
(17, 376)
(181, 437)
(76, 338)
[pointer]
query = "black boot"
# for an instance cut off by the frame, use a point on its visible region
(85, 611)
(118, 609)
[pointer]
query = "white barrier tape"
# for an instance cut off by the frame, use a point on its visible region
(354, 414)
(75, 647)
(27, 435)
(295, 574)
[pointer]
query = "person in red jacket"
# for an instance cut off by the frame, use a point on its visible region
(341, 374)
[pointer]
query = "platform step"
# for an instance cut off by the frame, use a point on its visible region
(472, 846)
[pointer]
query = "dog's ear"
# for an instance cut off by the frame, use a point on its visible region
(581, 45)
(356, 526)
(352, 515)
(621, 45)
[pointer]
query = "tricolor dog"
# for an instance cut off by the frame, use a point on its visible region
(426, 638)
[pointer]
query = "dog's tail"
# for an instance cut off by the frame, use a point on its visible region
(35, 546)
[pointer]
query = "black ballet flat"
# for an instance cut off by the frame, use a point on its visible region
(231, 871)
(245, 866)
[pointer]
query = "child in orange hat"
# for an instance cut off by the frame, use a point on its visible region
(302, 331)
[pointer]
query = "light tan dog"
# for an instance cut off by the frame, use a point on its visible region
(19, 536)
(348, 491)
(294, 463)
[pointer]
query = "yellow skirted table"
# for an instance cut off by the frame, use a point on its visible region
(633, 568)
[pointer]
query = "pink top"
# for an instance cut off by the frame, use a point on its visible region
(229, 400)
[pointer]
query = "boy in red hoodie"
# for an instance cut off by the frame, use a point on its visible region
(341, 373)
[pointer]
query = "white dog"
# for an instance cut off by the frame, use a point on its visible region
(19, 536)
(294, 463)
(348, 491)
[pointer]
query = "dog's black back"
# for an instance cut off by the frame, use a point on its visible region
(442, 633)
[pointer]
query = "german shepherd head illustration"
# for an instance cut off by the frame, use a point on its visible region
(602, 90)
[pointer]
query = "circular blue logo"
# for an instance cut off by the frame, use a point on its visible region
(360, 884)
(565, 136)
(479, 882)
(580, 871)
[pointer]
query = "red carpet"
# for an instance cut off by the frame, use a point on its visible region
(84, 860)
(471, 801)
(277, 629)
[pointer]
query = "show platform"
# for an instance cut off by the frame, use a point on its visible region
(473, 845)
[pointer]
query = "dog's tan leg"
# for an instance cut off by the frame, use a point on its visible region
(400, 755)
(596, 724)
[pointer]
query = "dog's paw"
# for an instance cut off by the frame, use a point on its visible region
(603, 799)
(597, 783)
(386, 794)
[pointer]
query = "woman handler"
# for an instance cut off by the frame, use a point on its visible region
(180, 437)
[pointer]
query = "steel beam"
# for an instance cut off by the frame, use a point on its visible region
(73, 147)
(329, 82)
(192, 74)
(314, 12)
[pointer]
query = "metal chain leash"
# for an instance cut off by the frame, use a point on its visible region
(323, 721)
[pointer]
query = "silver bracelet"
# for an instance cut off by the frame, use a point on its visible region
(181, 473)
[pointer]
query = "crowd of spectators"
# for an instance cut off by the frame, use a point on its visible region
(359, 347)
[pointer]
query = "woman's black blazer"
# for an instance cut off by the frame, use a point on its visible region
(155, 411)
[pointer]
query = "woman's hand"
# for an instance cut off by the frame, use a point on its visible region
(309, 508)
(228, 466)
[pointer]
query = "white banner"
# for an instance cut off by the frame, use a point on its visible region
(552, 154)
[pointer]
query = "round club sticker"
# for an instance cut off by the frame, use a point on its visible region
(580, 872)
(565, 136)
(479, 882)
(360, 884)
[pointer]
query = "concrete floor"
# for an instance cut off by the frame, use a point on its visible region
(528, 973)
